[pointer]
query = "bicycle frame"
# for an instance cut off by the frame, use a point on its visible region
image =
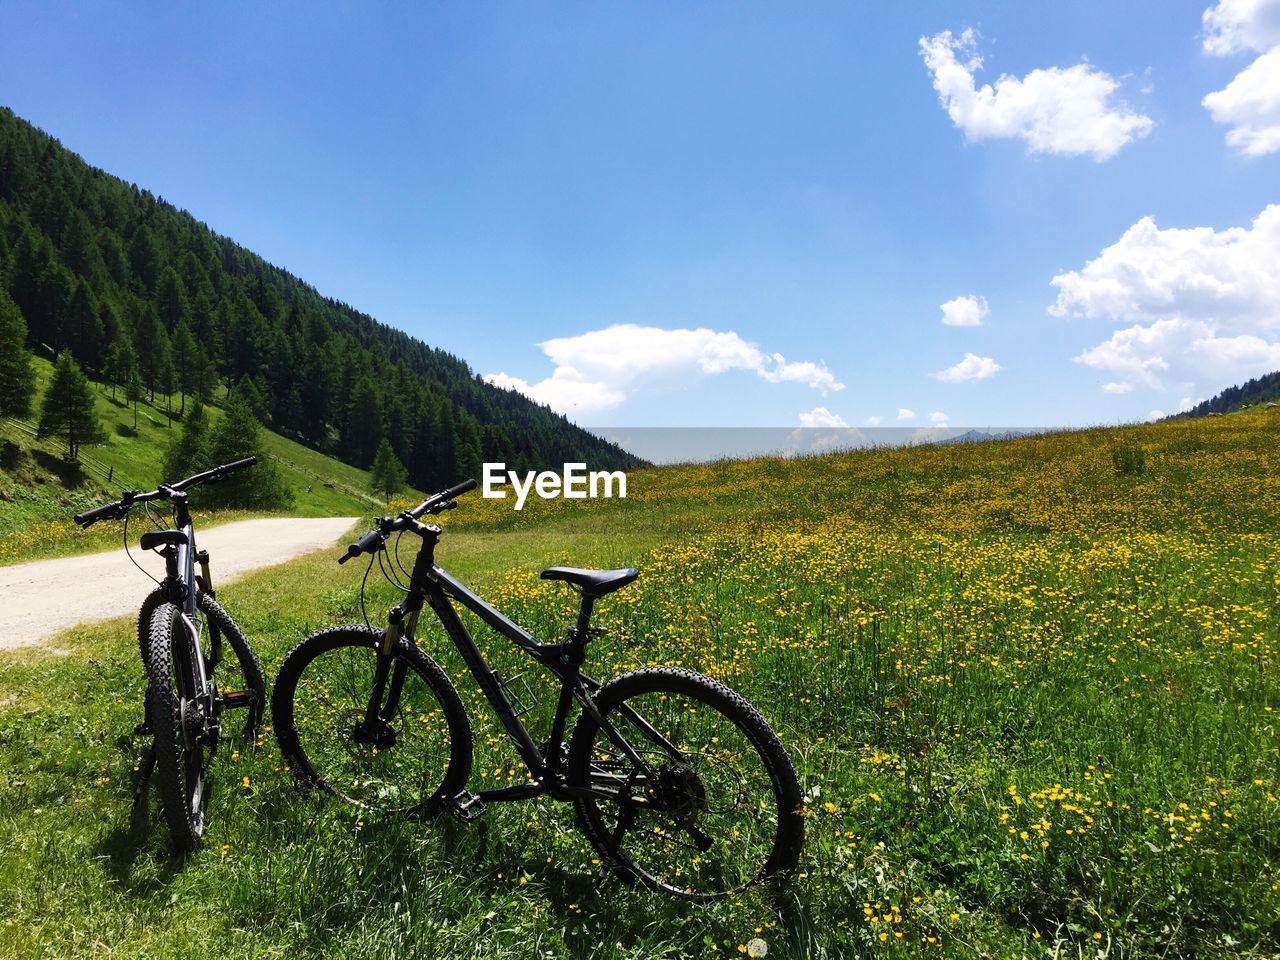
(180, 579)
(435, 587)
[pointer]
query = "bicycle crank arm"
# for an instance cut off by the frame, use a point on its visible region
(700, 839)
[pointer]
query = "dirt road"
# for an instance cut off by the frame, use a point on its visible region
(39, 599)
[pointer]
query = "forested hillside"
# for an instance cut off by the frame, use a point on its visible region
(121, 278)
(1259, 390)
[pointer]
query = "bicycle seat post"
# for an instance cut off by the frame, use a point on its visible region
(583, 630)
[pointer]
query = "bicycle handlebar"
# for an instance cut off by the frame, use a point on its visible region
(104, 512)
(372, 541)
(444, 496)
(118, 508)
(217, 473)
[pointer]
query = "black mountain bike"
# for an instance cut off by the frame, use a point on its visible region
(676, 780)
(181, 628)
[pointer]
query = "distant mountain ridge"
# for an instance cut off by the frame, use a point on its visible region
(95, 263)
(986, 436)
(1264, 389)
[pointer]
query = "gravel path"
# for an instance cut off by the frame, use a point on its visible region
(39, 599)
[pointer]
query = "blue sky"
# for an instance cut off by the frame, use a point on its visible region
(666, 197)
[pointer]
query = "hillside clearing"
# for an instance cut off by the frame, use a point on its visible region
(39, 492)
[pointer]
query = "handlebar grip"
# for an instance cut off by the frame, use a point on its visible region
(371, 542)
(90, 517)
(460, 488)
(238, 465)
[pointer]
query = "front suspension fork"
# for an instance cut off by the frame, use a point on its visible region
(388, 683)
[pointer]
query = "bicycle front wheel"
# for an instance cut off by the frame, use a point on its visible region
(691, 792)
(404, 750)
(247, 691)
(186, 734)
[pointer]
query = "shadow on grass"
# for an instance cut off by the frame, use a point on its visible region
(10, 456)
(69, 474)
(453, 872)
(133, 836)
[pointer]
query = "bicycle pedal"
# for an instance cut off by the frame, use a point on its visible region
(237, 699)
(467, 807)
(142, 730)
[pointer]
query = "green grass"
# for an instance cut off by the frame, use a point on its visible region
(39, 492)
(1033, 701)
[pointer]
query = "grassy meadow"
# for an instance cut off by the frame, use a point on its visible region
(1031, 689)
(39, 493)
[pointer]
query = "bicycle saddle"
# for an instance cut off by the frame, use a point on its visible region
(594, 583)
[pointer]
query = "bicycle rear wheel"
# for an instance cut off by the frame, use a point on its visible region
(186, 734)
(701, 800)
(409, 759)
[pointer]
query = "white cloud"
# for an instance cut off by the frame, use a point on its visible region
(1056, 110)
(593, 370)
(1229, 276)
(1202, 306)
(972, 367)
(815, 375)
(905, 414)
(1186, 403)
(1117, 388)
(562, 391)
(938, 418)
(967, 311)
(1234, 26)
(1181, 351)
(873, 421)
(821, 417)
(1250, 105)
(1155, 415)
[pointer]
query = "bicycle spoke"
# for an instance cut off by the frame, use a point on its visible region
(392, 764)
(696, 808)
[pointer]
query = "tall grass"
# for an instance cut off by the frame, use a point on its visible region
(1033, 704)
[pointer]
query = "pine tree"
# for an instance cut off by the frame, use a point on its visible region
(187, 362)
(80, 247)
(238, 435)
(467, 462)
(109, 318)
(251, 393)
(54, 290)
(114, 259)
(145, 257)
(152, 344)
(133, 391)
(122, 365)
(167, 383)
(364, 422)
(189, 452)
(387, 474)
(67, 412)
(171, 299)
(82, 328)
(17, 382)
(207, 387)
